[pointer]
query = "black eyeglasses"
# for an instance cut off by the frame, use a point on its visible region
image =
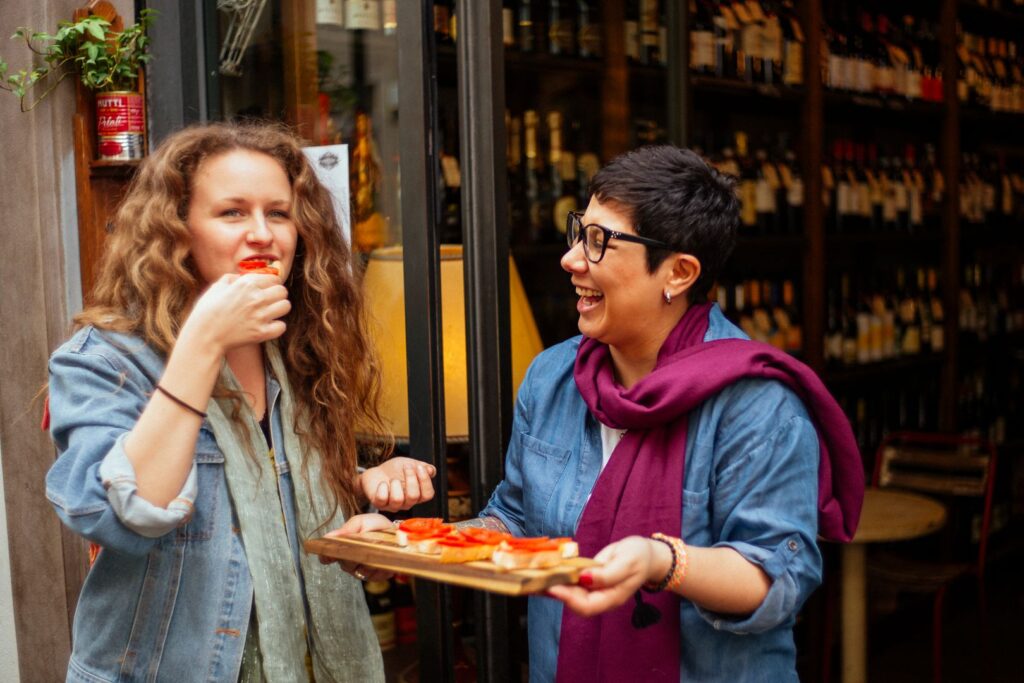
(595, 237)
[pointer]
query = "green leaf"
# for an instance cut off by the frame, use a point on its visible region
(97, 32)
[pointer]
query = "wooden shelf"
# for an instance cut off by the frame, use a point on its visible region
(883, 371)
(859, 103)
(535, 62)
(990, 17)
(731, 88)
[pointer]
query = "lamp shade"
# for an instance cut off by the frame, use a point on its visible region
(384, 292)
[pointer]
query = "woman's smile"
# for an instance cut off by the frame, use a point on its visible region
(589, 299)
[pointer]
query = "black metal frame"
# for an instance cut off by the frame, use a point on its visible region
(417, 110)
(184, 36)
(481, 88)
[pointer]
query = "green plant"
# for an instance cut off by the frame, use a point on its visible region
(102, 58)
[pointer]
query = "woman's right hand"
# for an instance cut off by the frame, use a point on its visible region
(239, 309)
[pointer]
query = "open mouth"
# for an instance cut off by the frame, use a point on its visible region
(588, 298)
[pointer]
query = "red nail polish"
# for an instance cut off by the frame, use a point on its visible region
(586, 580)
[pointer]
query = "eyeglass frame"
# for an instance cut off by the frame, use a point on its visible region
(576, 217)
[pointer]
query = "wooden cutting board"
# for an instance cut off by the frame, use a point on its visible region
(380, 550)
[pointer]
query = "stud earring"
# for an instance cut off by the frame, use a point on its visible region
(668, 297)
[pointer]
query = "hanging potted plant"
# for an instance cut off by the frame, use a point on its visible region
(106, 60)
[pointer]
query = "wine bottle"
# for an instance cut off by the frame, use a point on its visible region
(534, 165)
(508, 23)
(793, 45)
(561, 28)
(526, 31)
(631, 30)
(369, 229)
(514, 158)
(588, 36)
(747, 186)
(562, 167)
(702, 45)
(650, 33)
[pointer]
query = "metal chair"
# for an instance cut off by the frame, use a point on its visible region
(952, 468)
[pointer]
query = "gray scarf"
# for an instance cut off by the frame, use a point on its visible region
(344, 646)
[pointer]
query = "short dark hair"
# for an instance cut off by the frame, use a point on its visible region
(674, 196)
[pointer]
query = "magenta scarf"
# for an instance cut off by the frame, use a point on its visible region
(640, 490)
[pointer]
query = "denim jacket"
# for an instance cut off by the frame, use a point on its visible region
(169, 596)
(750, 483)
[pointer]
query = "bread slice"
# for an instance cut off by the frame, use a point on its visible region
(451, 554)
(526, 559)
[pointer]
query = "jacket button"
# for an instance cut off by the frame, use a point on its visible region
(792, 545)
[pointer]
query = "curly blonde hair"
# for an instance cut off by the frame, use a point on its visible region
(148, 282)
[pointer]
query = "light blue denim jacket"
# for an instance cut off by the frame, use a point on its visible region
(169, 597)
(750, 483)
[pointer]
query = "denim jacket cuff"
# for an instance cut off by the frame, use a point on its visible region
(136, 513)
(780, 602)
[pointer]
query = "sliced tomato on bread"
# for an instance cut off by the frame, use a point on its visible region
(258, 265)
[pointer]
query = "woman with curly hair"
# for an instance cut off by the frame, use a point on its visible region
(206, 411)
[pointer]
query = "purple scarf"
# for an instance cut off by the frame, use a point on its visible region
(640, 490)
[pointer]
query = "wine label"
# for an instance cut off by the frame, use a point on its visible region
(702, 49)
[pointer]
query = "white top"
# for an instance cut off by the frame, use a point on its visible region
(610, 438)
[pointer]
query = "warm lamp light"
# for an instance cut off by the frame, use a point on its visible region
(384, 289)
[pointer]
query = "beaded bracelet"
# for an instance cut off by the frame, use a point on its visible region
(677, 571)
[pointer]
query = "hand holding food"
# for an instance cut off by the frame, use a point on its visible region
(626, 565)
(234, 310)
(356, 525)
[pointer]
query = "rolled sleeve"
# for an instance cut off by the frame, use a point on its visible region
(766, 510)
(118, 478)
(95, 400)
(781, 600)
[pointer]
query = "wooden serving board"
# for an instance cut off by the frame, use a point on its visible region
(380, 550)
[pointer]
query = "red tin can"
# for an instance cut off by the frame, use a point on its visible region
(120, 125)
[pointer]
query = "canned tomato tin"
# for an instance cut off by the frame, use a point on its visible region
(120, 126)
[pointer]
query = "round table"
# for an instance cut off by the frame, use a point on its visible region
(887, 515)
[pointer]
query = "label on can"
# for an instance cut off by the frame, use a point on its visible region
(119, 113)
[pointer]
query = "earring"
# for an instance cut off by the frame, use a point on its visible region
(668, 297)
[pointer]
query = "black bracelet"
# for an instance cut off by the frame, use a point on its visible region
(660, 586)
(181, 403)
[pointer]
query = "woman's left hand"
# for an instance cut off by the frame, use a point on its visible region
(357, 525)
(626, 565)
(398, 484)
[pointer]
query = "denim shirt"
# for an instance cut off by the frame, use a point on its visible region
(750, 483)
(169, 596)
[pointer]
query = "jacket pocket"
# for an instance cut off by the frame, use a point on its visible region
(542, 464)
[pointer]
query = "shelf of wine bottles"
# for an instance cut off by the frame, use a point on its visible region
(769, 183)
(895, 189)
(874, 321)
(991, 327)
(766, 310)
(881, 53)
(758, 43)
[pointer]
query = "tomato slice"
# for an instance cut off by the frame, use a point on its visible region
(252, 264)
(258, 266)
(418, 525)
(532, 544)
(484, 536)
